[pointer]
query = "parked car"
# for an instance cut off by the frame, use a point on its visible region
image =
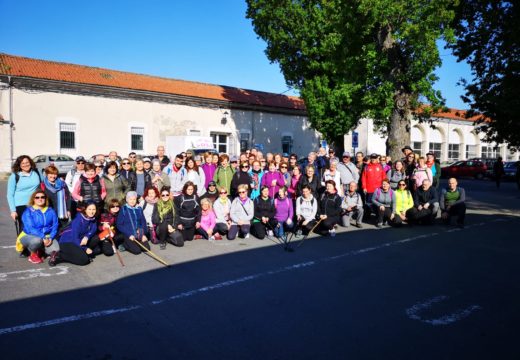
(509, 171)
(466, 168)
(63, 162)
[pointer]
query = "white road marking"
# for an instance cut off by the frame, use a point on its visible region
(442, 321)
(34, 273)
(8, 247)
(413, 312)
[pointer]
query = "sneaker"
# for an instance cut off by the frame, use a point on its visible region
(218, 236)
(247, 236)
(299, 232)
(270, 233)
(162, 246)
(359, 225)
(34, 258)
(212, 238)
(332, 232)
(54, 258)
(121, 248)
(379, 225)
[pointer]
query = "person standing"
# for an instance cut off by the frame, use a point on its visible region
(22, 183)
(163, 159)
(347, 172)
(498, 171)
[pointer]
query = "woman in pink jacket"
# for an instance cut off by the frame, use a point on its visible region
(273, 179)
(421, 172)
(208, 220)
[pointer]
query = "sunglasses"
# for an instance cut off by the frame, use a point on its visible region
(242, 192)
(115, 206)
(244, 166)
(99, 167)
(80, 163)
(223, 192)
(283, 167)
(126, 163)
(402, 184)
(164, 195)
(40, 197)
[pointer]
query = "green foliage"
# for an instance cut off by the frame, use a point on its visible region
(487, 38)
(355, 58)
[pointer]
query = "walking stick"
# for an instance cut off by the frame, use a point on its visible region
(306, 236)
(279, 242)
(150, 252)
(17, 227)
(115, 249)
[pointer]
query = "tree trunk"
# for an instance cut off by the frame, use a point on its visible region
(399, 127)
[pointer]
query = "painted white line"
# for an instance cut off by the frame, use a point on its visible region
(8, 247)
(186, 294)
(34, 273)
(413, 312)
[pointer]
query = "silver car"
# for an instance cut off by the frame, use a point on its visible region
(63, 162)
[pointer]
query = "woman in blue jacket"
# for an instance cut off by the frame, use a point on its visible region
(132, 224)
(40, 228)
(78, 245)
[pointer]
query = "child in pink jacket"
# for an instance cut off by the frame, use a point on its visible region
(208, 221)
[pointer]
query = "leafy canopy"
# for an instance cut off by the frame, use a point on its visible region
(355, 58)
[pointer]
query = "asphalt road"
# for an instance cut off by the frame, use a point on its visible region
(411, 293)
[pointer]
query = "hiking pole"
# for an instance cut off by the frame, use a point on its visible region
(115, 249)
(306, 236)
(150, 252)
(17, 227)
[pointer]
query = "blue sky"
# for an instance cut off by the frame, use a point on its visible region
(206, 40)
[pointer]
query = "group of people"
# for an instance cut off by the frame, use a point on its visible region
(114, 204)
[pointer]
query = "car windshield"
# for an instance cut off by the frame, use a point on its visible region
(60, 158)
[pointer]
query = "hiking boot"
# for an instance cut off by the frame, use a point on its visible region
(54, 258)
(34, 258)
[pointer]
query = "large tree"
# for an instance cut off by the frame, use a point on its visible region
(487, 34)
(355, 58)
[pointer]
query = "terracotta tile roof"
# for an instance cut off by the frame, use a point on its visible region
(51, 70)
(455, 114)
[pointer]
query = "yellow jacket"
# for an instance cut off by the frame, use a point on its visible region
(403, 201)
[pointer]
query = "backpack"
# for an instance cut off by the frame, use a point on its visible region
(301, 201)
(17, 176)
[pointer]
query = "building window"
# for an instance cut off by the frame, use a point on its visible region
(471, 151)
(436, 149)
(489, 152)
(417, 147)
(244, 142)
(137, 138)
(220, 142)
(287, 144)
(453, 152)
(67, 136)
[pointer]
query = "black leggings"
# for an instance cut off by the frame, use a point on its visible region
(328, 224)
(134, 248)
(175, 238)
(106, 245)
(259, 229)
(72, 253)
(19, 213)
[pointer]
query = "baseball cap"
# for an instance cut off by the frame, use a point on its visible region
(346, 153)
(146, 159)
(374, 156)
(80, 158)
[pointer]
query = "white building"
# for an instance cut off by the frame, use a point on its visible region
(450, 136)
(79, 110)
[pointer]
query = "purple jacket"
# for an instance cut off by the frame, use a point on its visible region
(209, 171)
(81, 226)
(267, 180)
(284, 209)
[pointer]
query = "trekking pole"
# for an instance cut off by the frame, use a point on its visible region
(150, 252)
(279, 242)
(115, 249)
(306, 236)
(17, 227)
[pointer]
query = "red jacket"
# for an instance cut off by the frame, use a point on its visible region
(372, 177)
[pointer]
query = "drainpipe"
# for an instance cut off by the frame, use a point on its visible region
(11, 123)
